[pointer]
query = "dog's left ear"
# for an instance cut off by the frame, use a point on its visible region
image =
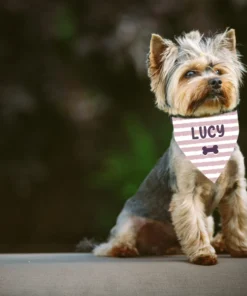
(229, 40)
(161, 58)
(160, 51)
(157, 49)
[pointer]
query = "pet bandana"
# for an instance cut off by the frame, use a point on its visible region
(207, 142)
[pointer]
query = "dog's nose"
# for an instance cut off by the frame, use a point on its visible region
(215, 82)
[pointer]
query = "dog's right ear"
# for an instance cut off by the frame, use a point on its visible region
(161, 58)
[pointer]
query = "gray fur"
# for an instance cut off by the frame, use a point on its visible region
(85, 245)
(154, 195)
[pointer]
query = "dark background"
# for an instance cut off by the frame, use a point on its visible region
(78, 126)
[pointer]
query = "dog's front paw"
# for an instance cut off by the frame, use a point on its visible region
(237, 248)
(205, 259)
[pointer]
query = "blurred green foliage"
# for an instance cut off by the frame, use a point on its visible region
(123, 171)
(65, 24)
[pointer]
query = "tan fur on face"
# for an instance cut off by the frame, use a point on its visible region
(193, 97)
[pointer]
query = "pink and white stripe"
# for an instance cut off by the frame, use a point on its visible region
(211, 165)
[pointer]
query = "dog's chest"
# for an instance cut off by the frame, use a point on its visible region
(208, 142)
(207, 192)
(190, 179)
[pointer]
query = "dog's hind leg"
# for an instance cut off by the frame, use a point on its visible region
(122, 241)
(134, 236)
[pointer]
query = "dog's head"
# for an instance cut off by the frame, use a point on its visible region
(195, 75)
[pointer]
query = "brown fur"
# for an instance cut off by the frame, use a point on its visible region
(219, 244)
(155, 238)
(205, 260)
(123, 251)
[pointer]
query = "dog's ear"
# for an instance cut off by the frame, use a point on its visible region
(231, 40)
(157, 49)
(228, 40)
(161, 58)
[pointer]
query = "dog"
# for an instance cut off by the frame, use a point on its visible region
(194, 76)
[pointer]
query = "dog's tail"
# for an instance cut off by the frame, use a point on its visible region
(86, 245)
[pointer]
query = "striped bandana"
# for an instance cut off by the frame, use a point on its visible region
(208, 142)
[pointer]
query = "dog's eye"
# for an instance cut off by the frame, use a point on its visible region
(218, 72)
(190, 74)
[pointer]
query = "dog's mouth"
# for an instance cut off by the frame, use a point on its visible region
(214, 95)
(212, 99)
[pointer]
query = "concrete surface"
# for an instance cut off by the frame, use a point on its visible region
(83, 274)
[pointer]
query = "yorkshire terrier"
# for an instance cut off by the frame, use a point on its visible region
(194, 76)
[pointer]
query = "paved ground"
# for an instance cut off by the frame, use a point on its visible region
(84, 274)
